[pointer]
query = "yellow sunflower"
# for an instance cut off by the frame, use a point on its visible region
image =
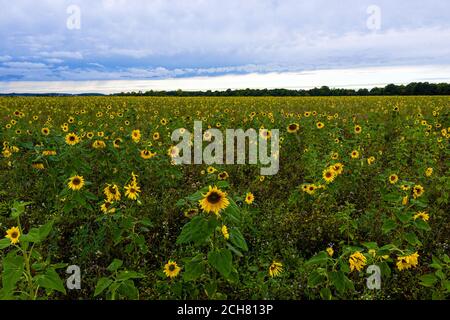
(293, 128)
(72, 139)
(249, 198)
(225, 232)
(354, 154)
(214, 200)
(422, 215)
(358, 129)
(112, 192)
(136, 135)
(418, 191)
(393, 178)
(45, 131)
(275, 269)
(223, 175)
(328, 175)
(357, 261)
(132, 191)
(13, 234)
(145, 154)
(76, 182)
(171, 269)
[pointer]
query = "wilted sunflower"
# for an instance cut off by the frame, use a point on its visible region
(76, 182)
(357, 261)
(72, 139)
(407, 262)
(225, 233)
(171, 269)
(214, 200)
(13, 234)
(112, 192)
(275, 269)
(293, 127)
(249, 198)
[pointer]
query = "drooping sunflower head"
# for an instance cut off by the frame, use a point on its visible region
(76, 182)
(171, 269)
(214, 200)
(13, 234)
(357, 261)
(275, 269)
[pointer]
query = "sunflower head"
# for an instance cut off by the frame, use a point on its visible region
(13, 234)
(214, 200)
(171, 269)
(275, 269)
(249, 198)
(76, 182)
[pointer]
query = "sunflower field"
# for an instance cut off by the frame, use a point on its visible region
(93, 207)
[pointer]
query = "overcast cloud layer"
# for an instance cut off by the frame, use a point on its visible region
(155, 40)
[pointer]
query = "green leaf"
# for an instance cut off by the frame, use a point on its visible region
(197, 230)
(420, 224)
(194, 268)
(51, 280)
(4, 243)
(325, 293)
(221, 260)
(403, 217)
(13, 266)
(115, 265)
(38, 234)
(340, 281)
(234, 250)
(128, 289)
(370, 245)
(125, 275)
(237, 239)
(412, 239)
(428, 280)
(319, 258)
(18, 208)
(102, 284)
(315, 279)
(388, 225)
(233, 212)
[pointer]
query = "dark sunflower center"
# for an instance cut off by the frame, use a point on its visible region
(14, 235)
(171, 267)
(214, 197)
(76, 181)
(132, 190)
(328, 174)
(292, 127)
(71, 138)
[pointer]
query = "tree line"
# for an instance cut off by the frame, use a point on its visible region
(412, 89)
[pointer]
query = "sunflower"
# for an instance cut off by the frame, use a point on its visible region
(393, 178)
(214, 200)
(90, 135)
(145, 154)
(76, 182)
(211, 170)
(38, 165)
(49, 153)
(190, 212)
(173, 151)
(320, 125)
(328, 175)
(358, 129)
(225, 233)
(13, 234)
(422, 215)
(106, 207)
(117, 142)
(72, 139)
(156, 136)
(354, 154)
(171, 269)
(136, 135)
(338, 168)
(310, 189)
(265, 134)
(371, 160)
(132, 190)
(99, 144)
(407, 262)
(429, 172)
(334, 155)
(357, 261)
(405, 187)
(223, 175)
(418, 191)
(163, 121)
(275, 269)
(112, 192)
(330, 251)
(293, 128)
(45, 131)
(249, 198)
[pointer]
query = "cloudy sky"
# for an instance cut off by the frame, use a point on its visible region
(115, 45)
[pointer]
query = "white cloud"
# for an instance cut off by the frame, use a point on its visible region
(347, 78)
